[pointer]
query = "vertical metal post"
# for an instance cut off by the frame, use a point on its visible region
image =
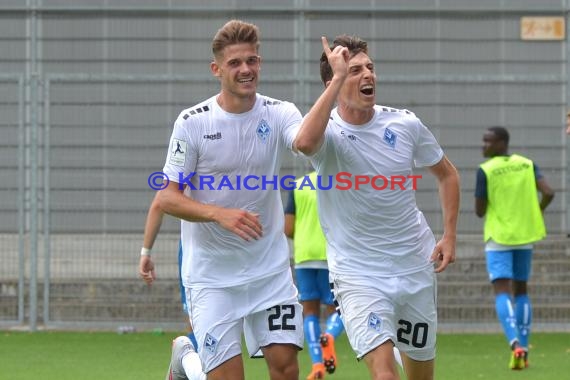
(438, 84)
(566, 150)
(21, 199)
(105, 126)
(33, 168)
(46, 213)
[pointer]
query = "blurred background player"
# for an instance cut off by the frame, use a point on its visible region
(312, 275)
(184, 348)
(506, 195)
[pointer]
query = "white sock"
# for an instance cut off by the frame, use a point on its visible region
(193, 366)
(397, 356)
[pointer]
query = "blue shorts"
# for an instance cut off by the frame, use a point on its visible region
(182, 291)
(313, 284)
(513, 264)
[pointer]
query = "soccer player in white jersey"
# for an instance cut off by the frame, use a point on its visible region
(223, 160)
(382, 255)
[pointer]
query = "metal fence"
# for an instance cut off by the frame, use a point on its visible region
(90, 91)
(12, 196)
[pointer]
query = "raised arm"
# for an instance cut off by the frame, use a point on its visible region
(312, 130)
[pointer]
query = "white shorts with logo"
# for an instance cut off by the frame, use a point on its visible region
(401, 309)
(265, 311)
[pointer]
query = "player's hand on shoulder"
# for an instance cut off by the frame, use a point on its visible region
(241, 222)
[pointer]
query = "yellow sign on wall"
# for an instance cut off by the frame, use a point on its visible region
(543, 28)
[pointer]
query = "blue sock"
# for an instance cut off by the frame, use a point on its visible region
(312, 335)
(334, 325)
(524, 319)
(506, 315)
(193, 340)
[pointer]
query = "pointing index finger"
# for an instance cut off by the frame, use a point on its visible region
(326, 47)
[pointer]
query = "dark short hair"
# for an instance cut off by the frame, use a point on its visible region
(354, 44)
(501, 133)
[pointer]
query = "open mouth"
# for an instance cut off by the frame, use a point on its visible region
(367, 89)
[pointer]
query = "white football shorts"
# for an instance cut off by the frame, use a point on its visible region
(265, 311)
(377, 309)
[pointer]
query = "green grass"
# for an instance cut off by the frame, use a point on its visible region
(145, 356)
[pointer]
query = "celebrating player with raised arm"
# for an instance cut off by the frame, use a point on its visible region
(382, 255)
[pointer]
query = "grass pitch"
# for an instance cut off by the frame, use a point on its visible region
(145, 356)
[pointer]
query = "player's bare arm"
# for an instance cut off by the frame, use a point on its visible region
(448, 184)
(547, 193)
(151, 229)
(480, 207)
(241, 222)
(290, 225)
(311, 132)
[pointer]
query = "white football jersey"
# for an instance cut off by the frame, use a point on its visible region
(230, 160)
(368, 230)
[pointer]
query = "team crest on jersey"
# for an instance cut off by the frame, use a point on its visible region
(375, 322)
(210, 343)
(263, 130)
(390, 137)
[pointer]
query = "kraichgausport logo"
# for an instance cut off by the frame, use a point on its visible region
(340, 181)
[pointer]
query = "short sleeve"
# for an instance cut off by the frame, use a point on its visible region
(291, 121)
(537, 173)
(481, 185)
(181, 156)
(290, 207)
(427, 151)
